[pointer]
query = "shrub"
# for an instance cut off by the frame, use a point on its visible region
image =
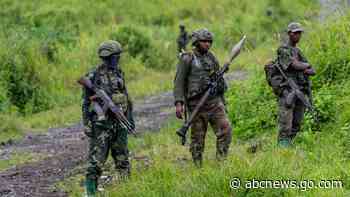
(133, 40)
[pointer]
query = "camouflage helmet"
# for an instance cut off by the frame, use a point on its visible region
(108, 48)
(295, 27)
(201, 34)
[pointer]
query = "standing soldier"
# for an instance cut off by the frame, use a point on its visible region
(191, 82)
(104, 132)
(182, 40)
(296, 68)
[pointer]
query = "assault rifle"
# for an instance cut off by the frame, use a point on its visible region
(211, 89)
(296, 92)
(108, 105)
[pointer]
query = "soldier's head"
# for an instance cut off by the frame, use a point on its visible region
(109, 51)
(182, 27)
(202, 39)
(294, 31)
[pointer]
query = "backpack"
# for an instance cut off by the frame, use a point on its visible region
(273, 77)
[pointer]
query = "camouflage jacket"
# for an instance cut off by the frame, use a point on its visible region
(193, 75)
(285, 54)
(113, 83)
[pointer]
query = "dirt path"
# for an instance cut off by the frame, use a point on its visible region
(65, 150)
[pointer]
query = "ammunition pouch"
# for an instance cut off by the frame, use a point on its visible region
(121, 100)
(274, 78)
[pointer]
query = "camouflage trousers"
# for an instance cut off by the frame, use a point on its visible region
(107, 137)
(290, 118)
(212, 112)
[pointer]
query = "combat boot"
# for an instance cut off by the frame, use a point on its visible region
(90, 187)
(284, 143)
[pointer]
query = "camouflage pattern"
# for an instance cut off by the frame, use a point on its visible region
(108, 48)
(107, 135)
(201, 34)
(212, 112)
(291, 115)
(182, 39)
(193, 75)
(191, 81)
(294, 27)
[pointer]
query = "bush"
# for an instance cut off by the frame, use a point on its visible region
(134, 40)
(252, 107)
(327, 47)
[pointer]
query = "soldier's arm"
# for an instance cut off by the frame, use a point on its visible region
(129, 112)
(181, 78)
(86, 105)
(298, 65)
(310, 70)
(86, 94)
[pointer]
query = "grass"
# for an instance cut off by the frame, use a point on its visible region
(18, 158)
(162, 167)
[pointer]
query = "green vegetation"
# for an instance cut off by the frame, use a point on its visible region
(46, 48)
(320, 152)
(19, 158)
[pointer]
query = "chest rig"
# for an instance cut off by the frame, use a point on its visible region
(112, 82)
(201, 68)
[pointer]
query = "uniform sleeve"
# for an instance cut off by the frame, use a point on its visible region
(284, 57)
(86, 94)
(182, 70)
(302, 57)
(129, 112)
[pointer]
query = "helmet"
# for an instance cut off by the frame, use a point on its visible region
(201, 34)
(295, 27)
(108, 48)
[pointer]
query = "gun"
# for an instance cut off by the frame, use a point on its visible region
(211, 89)
(108, 105)
(296, 92)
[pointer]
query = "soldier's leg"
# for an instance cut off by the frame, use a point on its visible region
(198, 130)
(285, 121)
(222, 129)
(120, 152)
(97, 155)
(298, 116)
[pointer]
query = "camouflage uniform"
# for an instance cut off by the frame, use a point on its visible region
(291, 114)
(191, 81)
(106, 134)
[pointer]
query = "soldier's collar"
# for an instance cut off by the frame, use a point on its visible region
(198, 54)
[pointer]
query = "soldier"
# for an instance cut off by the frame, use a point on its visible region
(296, 67)
(183, 39)
(191, 81)
(104, 132)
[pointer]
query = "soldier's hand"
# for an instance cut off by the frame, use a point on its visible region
(179, 110)
(93, 98)
(309, 71)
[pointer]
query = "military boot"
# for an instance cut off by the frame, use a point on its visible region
(284, 143)
(91, 187)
